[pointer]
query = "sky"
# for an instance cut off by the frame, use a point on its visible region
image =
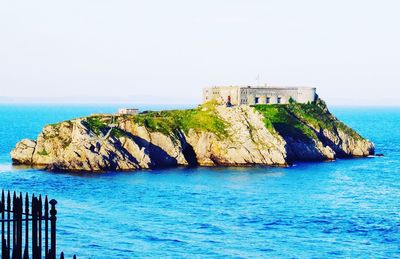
(165, 52)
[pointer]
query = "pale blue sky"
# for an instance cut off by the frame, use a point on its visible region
(166, 51)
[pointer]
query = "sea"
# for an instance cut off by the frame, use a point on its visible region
(347, 208)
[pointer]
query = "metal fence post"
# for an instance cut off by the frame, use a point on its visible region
(53, 219)
(16, 231)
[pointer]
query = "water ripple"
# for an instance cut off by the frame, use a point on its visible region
(348, 208)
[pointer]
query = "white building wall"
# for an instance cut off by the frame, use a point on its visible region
(306, 94)
(248, 95)
(130, 111)
(221, 94)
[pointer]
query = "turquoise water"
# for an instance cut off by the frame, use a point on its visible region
(347, 208)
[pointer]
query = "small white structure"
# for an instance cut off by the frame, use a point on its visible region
(250, 95)
(129, 111)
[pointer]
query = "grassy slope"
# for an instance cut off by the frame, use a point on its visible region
(294, 120)
(202, 118)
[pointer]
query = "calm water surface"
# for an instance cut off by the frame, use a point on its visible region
(347, 208)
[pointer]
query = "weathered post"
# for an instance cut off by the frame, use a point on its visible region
(53, 219)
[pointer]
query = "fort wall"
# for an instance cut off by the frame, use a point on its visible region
(258, 95)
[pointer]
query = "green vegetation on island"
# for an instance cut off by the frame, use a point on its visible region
(43, 153)
(296, 120)
(97, 124)
(301, 121)
(202, 118)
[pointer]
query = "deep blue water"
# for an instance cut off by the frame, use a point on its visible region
(347, 208)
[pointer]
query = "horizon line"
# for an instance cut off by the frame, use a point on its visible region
(172, 104)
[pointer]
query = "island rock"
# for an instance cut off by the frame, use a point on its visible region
(210, 135)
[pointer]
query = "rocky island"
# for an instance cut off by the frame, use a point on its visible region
(209, 135)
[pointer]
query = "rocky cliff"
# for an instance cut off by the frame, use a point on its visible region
(209, 135)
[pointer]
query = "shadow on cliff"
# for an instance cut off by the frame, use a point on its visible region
(335, 147)
(158, 156)
(299, 146)
(187, 150)
(118, 145)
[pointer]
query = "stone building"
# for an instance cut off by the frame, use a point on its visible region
(250, 95)
(129, 111)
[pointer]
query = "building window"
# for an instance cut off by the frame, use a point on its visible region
(279, 100)
(268, 100)
(256, 100)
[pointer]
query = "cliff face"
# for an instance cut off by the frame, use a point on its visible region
(207, 136)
